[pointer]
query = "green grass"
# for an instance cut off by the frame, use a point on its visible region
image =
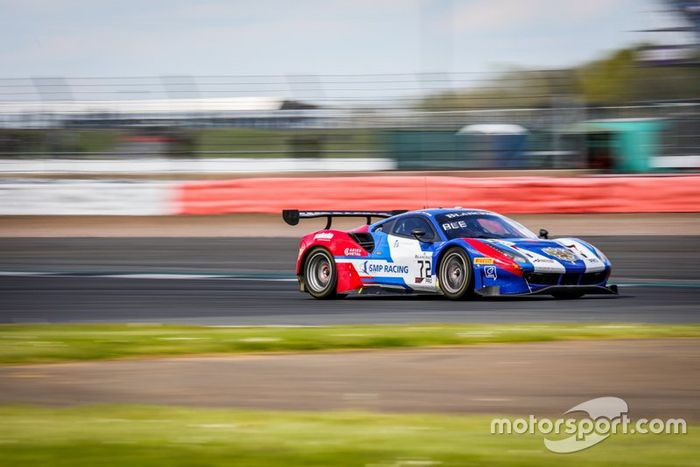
(36, 343)
(172, 436)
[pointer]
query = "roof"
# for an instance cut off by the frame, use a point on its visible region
(438, 211)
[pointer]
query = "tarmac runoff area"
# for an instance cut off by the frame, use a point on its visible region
(268, 225)
(657, 378)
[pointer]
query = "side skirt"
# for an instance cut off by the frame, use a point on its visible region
(586, 289)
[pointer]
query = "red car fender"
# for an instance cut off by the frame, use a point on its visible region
(339, 243)
(348, 278)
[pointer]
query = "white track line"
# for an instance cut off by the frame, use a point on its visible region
(144, 276)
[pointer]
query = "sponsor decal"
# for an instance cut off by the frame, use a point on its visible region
(369, 268)
(454, 225)
(353, 252)
(561, 253)
(490, 272)
(392, 268)
(455, 215)
(578, 250)
(323, 236)
(483, 260)
(396, 243)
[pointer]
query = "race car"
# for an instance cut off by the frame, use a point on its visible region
(457, 253)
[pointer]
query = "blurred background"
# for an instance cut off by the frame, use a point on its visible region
(625, 101)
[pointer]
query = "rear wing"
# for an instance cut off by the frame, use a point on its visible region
(292, 216)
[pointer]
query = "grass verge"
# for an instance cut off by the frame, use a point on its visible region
(45, 343)
(172, 436)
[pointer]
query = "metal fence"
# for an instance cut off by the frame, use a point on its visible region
(523, 120)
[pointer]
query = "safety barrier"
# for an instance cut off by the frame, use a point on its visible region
(516, 195)
(87, 198)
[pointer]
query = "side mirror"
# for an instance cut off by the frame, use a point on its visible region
(544, 233)
(418, 234)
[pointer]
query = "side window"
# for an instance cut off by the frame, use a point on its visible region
(385, 227)
(404, 227)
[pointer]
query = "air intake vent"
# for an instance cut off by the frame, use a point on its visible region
(542, 278)
(570, 278)
(365, 240)
(594, 278)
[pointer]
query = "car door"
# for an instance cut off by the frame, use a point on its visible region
(379, 268)
(414, 257)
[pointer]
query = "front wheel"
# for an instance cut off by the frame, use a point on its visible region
(455, 274)
(320, 274)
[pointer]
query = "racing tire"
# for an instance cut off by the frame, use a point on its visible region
(455, 274)
(567, 295)
(321, 274)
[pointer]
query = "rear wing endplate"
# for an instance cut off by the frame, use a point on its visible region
(292, 216)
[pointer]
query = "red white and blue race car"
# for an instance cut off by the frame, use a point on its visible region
(454, 252)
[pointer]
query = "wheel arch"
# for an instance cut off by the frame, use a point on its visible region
(464, 246)
(332, 292)
(301, 264)
(440, 253)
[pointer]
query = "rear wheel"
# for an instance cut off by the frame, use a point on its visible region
(320, 274)
(455, 274)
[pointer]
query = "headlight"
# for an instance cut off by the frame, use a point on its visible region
(601, 255)
(517, 257)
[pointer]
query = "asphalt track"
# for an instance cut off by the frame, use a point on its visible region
(241, 281)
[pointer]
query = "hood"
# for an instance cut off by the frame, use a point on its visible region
(555, 256)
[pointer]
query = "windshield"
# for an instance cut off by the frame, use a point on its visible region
(472, 224)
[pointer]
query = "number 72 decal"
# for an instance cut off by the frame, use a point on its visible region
(425, 271)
